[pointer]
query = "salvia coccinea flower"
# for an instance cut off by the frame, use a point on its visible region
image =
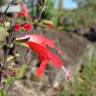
(38, 44)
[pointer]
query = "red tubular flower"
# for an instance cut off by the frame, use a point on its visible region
(17, 27)
(38, 44)
(27, 27)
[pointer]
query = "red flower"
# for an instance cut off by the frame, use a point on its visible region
(17, 27)
(38, 44)
(27, 27)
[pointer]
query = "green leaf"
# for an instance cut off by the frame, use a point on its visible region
(2, 93)
(8, 80)
(21, 71)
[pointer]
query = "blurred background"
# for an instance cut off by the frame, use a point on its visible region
(74, 33)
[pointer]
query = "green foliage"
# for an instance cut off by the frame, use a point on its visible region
(82, 3)
(2, 94)
(80, 18)
(50, 9)
(8, 81)
(1, 2)
(83, 83)
(21, 71)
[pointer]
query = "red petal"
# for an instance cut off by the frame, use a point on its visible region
(17, 27)
(42, 53)
(39, 49)
(45, 54)
(41, 69)
(56, 62)
(41, 40)
(27, 27)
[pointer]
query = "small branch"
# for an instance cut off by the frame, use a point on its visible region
(42, 10)
(6, 9)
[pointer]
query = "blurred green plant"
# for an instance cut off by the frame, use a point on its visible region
(49, 10)
(2, 94)
(1, 2)
(83, 83)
